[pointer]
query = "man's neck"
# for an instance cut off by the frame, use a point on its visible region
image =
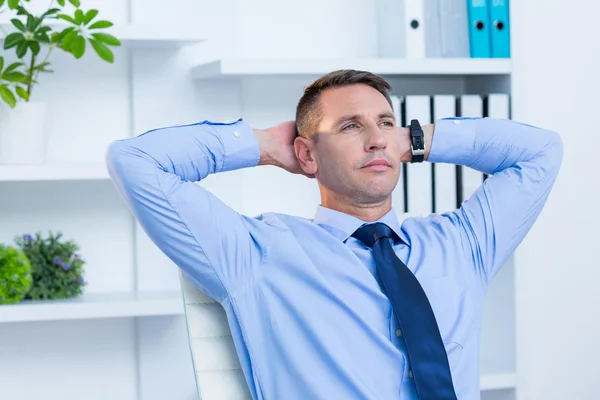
(364, 212)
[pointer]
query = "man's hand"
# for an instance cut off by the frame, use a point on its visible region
(277, 147)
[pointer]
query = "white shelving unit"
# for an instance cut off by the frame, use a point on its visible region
(53, 172)
(233, 68)
(140, 35)
(93, 306)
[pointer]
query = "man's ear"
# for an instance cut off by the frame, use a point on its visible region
(303, 148)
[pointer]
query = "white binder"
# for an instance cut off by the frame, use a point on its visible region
(498, 106)
(398, 192)
(415, 26)
(444, 106)
(419, 174)
(409, 28)
(391, 28)
(453, 28)
(471, 106)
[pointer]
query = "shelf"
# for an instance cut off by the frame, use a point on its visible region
(95, 306)
(495, 377)
(237, 68)
(141, 36)
(53, 172)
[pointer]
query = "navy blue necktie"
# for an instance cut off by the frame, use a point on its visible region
(426, 352)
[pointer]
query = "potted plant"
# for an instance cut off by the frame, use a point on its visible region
(56, 266)
(64, 26)
(15, 275)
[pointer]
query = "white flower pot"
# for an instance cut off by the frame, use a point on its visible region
(24, 133)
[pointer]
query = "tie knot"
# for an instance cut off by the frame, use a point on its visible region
(370, 233)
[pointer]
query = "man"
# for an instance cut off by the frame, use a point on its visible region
(352, 305)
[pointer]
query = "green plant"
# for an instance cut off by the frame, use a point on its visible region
(56, 268)
(36, 33)
(15, 275)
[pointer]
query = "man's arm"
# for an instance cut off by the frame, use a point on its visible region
(524, 162)
(155, 174)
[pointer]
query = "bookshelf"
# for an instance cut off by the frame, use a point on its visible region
(140, 36)
(53, 172)
(244, 68)
(95, 306)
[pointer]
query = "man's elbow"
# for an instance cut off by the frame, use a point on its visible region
(552, 153)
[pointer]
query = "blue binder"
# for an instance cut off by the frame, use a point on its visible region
(479, 28)
(500, 28)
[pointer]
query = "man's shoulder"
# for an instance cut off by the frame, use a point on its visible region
(282, 220)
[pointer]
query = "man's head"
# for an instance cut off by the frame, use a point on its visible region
(345, 120)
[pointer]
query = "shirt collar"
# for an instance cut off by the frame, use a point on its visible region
(342, 225)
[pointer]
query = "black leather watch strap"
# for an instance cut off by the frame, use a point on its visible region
(417, 141)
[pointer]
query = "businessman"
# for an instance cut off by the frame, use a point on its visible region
(351, 305)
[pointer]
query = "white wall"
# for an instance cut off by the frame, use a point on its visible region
(556, 84)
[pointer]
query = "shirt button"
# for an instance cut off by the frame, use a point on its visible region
(236, 134)
(410, 374)
(398, 332)
(456, 122)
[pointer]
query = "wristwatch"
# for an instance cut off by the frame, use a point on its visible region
(417, 141)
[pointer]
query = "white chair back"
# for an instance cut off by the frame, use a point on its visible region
(216, 365)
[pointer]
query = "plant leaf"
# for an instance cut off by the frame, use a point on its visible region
(22, 49)
(106, 39)
(35, 47)
(103, 51)
(59, 37)
(12, 4)
(30, 23)
(8, 96)
(43, 29)
(22, 93)
(18, 24)
(43, 38)
(12, 67)
(90, 15)
(13, 39)
(69, 39)
(36, 23)
(61, 2)
(79, 16)
(50, 11)
(1, 3)
(100, 24)
(1, 63)
(14, 77)
(67, 18)
(75, 2)
(79, 46)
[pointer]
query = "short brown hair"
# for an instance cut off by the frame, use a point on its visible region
(308, 111)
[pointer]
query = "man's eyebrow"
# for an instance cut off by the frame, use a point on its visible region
(354, 117)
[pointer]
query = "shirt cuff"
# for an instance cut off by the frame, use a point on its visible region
(241, 147)
(453, 141)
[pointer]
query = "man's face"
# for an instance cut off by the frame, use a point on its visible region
(357, 127)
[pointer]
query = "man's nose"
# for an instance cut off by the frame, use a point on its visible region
(377, 139)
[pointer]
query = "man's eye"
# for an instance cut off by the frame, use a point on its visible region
(389, 123)
(349, 126)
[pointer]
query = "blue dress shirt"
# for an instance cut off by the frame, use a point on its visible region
(307, 315)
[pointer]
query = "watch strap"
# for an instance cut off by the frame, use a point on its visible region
(417, 141)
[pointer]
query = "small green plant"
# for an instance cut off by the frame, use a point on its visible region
(56, 267)
(15, 275)
(35, 34)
